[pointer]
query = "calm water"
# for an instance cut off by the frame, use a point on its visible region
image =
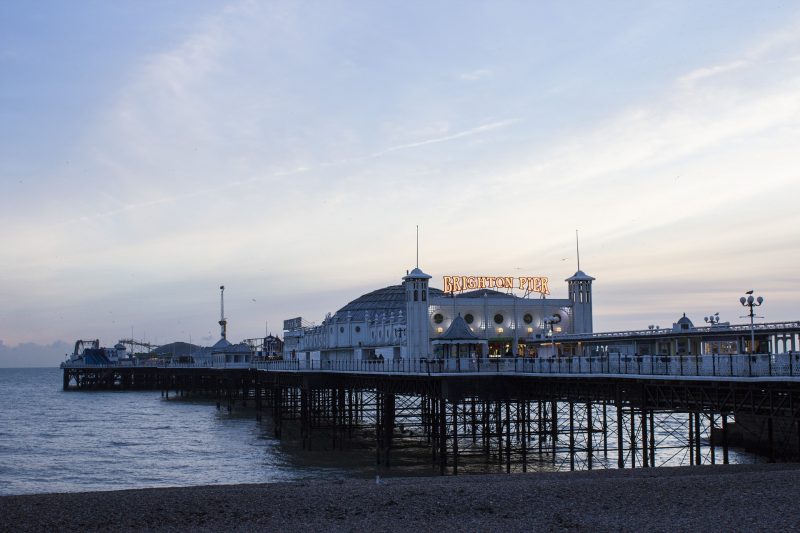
(55, 441)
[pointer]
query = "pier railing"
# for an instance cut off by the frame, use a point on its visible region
(727, 366)
(724, 366)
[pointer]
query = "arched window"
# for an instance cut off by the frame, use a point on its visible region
(424, 297)
(416, 295)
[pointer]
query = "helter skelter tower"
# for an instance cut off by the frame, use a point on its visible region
(223, 322)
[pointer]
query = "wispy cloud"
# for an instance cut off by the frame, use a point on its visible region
(475, 75)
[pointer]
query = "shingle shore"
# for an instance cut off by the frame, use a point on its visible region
(707, 498)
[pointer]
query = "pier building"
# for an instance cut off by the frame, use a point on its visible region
(406, 320)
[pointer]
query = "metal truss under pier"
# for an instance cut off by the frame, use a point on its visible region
(516, 422)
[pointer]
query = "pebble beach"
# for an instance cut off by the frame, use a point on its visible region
(707, 498)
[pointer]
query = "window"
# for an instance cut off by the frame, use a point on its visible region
(341, 329)
(423, 295)
(468, 318)
(528, 318)
(358, 329)
(416, 295)
(438, 318)
(498, 318)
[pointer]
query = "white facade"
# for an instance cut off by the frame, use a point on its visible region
(401, 321)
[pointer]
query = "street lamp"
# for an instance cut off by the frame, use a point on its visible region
(551, 321)
(751, 302)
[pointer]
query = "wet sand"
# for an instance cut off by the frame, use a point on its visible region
(707, 498)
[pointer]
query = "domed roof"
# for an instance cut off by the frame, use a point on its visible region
(416, 274)
(683, 324)
(580, 275)
(386, 300)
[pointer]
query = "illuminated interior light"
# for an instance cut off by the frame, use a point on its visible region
(499, 330)
(439, 330)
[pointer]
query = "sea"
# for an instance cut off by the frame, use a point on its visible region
(75, 441)
(56, 441)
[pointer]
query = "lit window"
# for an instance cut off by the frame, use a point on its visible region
(439, 330)
(530, 330)
(499, 330)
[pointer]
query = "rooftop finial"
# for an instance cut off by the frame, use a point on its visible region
(578, 249)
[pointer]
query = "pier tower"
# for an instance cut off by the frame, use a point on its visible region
(417, 334)
(580, 294)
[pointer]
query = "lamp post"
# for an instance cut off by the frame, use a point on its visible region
(551, 321)
(751, 302)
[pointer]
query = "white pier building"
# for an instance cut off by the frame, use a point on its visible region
(409, 319)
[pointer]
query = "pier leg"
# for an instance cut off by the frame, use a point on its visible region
(540, 432)
(652, 439)
(455, 438)
(691, 440)
(442, 436)
(712, 448)
(305, 414)
(554, 428)
(698, 457)
(589, 430)
(508, 436)
(388, 425)
(571, 436)
(605, 430)
(633, 437)
(620, 425)
(645, 455)
(724, 438)
(525, 429)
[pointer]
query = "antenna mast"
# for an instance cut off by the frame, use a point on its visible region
(417, 245)
(223, 324)
(578, 249)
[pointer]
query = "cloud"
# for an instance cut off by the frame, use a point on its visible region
(476, 75)
(688, 80)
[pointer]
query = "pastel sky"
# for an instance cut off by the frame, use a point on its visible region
(151, 151)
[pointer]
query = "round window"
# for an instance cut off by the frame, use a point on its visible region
(528, 318)
(438, 318)
(341, 329)
(469, 318)
(498, 318)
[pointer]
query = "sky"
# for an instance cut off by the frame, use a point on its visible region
(152, 151)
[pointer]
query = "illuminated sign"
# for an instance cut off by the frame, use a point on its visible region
(526, 283)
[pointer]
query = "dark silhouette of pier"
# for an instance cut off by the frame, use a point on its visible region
(508, 413)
